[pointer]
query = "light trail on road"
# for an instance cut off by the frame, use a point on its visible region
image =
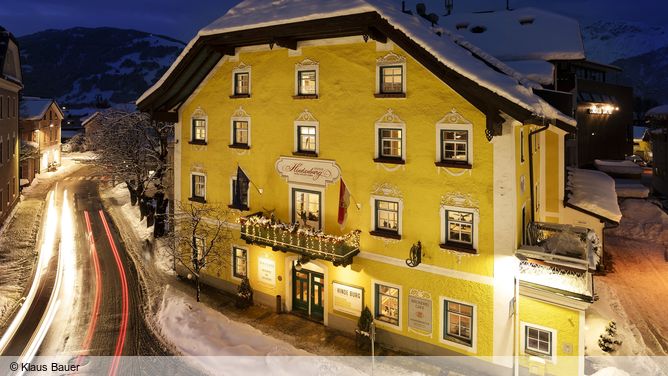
(125, 296)
(98, 286)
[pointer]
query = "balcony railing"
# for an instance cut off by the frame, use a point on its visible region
(305, 241)
(560, 258)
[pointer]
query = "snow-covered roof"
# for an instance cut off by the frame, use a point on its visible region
(594, 192)
(34, 108)
(89, 118)
(658, 111)
(520, 34)
(624, 167)
(451, 50)
(540, 71)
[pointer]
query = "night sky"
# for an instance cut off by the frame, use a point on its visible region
(182, 19)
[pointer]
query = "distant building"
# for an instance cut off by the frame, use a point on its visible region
(547, 48)
(90, 125)
(10, 85)
(642, 146)
(658, 119)
(40, 136)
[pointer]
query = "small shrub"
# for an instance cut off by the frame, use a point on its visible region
(244, 294)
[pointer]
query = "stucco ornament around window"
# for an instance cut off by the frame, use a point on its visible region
(199, 113)
(240, 113)
(386, 190)
(306, 63)
(453, 117)
(242, 67)
(306, 115)
(197, 167)
(460, 200)
(390, 58)
(390, 118)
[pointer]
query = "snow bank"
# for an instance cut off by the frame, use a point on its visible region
(643, 221)
(610, 371)
(593, 191)
(618, 167)
(631, 190)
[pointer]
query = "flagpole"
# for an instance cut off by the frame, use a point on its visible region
(357, 203)
(258, 189)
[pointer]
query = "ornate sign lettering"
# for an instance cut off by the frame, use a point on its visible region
(308, 171)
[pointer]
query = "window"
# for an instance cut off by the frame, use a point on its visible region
(244, 195)
(387, 305)
(306, 82)
(306, 208)
(198, 187)
(387, 216)
(199, 250)
(239, 262)
(454, 145)
(460, 227)
(391, 76)
(390, 143)
(458, 321)
(242, 83)
(391, 79)
(240, 132)
(199, 130)
(306, 138)
(459, 231)
(538, 340)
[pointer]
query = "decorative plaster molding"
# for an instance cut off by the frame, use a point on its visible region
(306, 116)
(199, 113)
(458, 199)
(420, 294)
(453, 117)
(387, 190)
(391, 58)
(306, 63)
(390, 118)
(240, 113)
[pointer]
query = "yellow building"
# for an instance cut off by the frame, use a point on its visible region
(431, 145)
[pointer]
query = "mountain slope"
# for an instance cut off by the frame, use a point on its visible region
(607, 41)
(647, 73)
(79, 65)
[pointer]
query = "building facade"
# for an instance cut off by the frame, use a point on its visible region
(364, 171)
(10, 86)
(40, 136)
(657, 118)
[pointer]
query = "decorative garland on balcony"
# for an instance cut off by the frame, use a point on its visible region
(351, 238)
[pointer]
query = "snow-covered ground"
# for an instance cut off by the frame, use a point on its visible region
(630, 295)
(69, 162)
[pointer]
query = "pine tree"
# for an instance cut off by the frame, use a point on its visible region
(607, 341)
(244, 294)
(363, 331)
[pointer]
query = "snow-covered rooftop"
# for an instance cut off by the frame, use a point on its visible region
(520, 34)
(593, 191)
(89, 118)
(34, 108)
(658, 112)
(447, 48)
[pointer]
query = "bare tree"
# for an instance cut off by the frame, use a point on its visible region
(29, 150)
(200, 236)
(134, 148)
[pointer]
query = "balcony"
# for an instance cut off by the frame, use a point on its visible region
(311, 243)
(559, 258)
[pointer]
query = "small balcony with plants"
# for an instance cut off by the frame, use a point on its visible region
(303, 240)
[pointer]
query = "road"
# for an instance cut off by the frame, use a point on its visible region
(87, 300)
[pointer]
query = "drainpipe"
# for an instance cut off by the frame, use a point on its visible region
(533, 198)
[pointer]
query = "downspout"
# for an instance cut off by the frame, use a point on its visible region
(531, 188)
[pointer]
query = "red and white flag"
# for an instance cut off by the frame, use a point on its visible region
(344, 201)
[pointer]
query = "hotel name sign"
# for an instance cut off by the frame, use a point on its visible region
(308, 171)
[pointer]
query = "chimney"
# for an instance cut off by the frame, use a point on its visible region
(421, 10)
(448, 7)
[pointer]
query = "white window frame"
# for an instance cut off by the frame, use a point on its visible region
(239, 118)
(233, 178)
(307, 65)
(192, 188)
(440, 127)
(374, 213)
(197, 253)
(313, 188)
(242, 68)
(300, 123)
(386, 324)
(390, 60)
(553, 346)
(378, 127)
(474, 325)
(232, 259)
(476, 224)
(196, 115)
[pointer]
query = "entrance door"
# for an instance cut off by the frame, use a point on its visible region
(300, 291)
(308, 293)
